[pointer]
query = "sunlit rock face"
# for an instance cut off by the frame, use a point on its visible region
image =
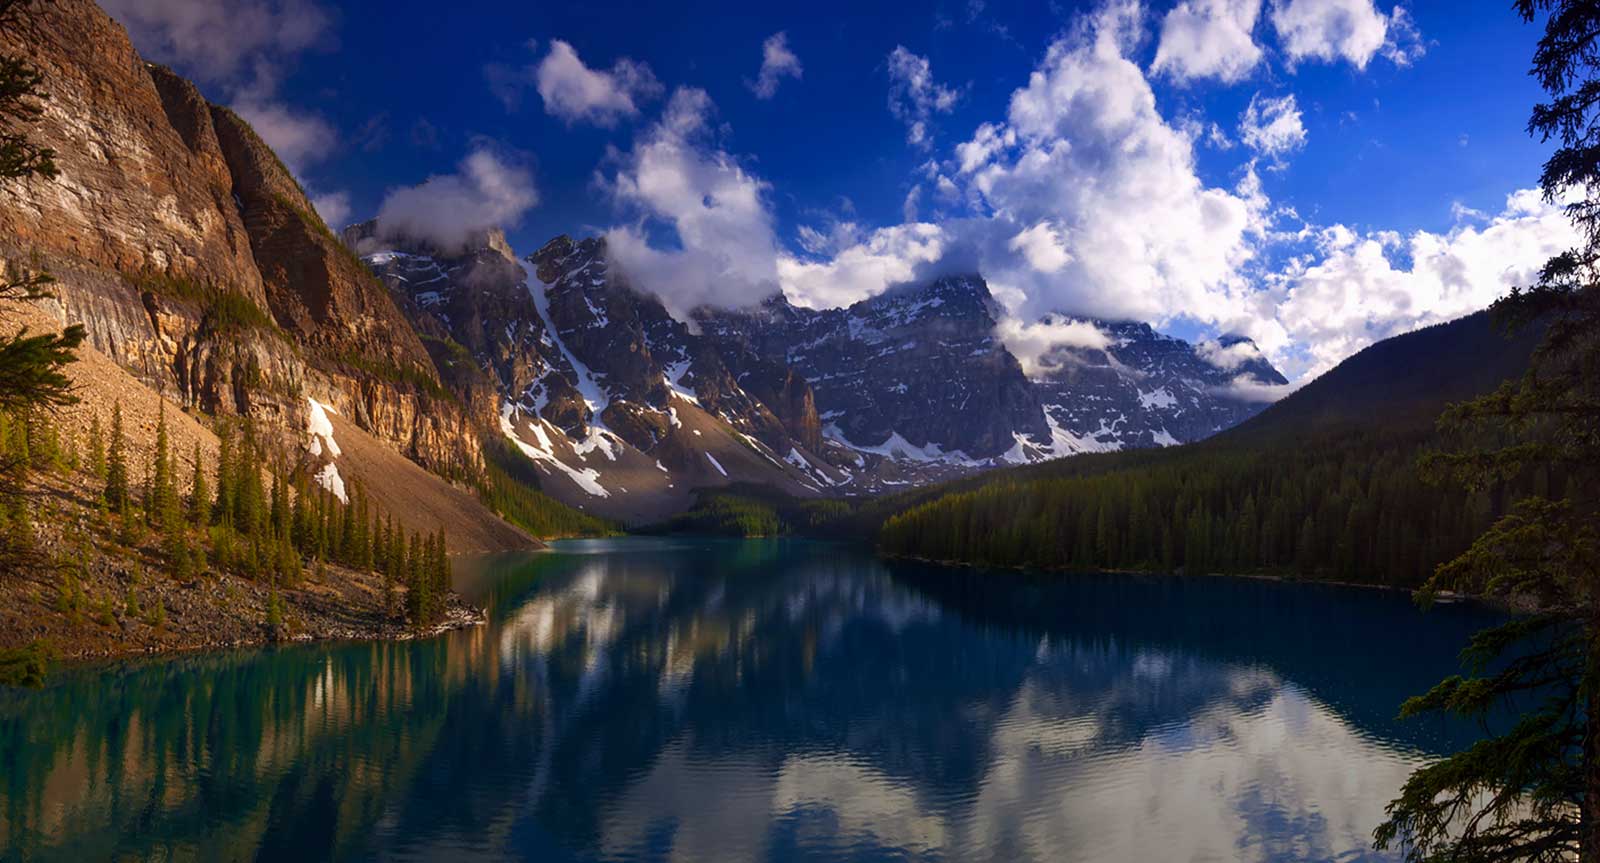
(760, 701)
(193, 257)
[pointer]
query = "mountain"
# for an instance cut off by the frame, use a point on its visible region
(197, 263)
(623, 410)
(916, 372)
(1143, 389)
(627, 410)
(1324, 484)
(1407, 380)
(920, 375)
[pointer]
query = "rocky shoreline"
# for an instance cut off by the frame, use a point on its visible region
(88, 597)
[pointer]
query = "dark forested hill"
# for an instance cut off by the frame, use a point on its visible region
(1323, 484)
(1401, 381)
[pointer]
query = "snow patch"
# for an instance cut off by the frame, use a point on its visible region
(320, 428)
(587, 479)
(673, 375)
(329, 479)
(716, 464)
(1160, 399)
(897, 447)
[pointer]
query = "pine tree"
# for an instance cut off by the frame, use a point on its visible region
(161, 500)
(32, 367)
(223, 507)
(250, 500)
(117, 492)
(419, 598)
(199, 494)
(97, 449)
(1533, 792)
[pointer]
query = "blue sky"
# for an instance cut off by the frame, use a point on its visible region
(1404, 138)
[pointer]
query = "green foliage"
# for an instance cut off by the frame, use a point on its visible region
(155, 615)
(70, 598)
(451, 351)
(510, 486)
(32, 377)
(26, 666)
(1530, 792)
(161, 495)
(223, 310)
(117, 493)
(199, 493)
(753, 511)
(1349, 505)
(729, 515)
(31, 368)
(413, 376)
(21, 91)
(275, 612)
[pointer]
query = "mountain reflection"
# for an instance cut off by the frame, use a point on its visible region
(672, 700)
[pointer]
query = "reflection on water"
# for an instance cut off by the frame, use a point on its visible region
(678, 700)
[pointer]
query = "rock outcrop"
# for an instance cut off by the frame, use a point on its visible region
(194, 258)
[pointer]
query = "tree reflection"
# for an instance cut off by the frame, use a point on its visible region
(756, 700)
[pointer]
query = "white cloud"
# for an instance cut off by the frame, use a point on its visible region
(242, 47)
(1249, 388)
(1085, 201)
(1209, 39)
(888, 256)
(1135, 232)
(777, 63)
(1361, 288)
(1032, 343)
(1043, 247)
(301, 140)
(1227, 357)
(726, 252)
(834, 236)
(221, 42)
(1272, 127)
(1404, 44)
(334, 208)
(487, 191)
(1351, 30)
(576, 93)
(914, 96)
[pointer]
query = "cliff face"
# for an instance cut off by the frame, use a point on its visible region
(195, 260)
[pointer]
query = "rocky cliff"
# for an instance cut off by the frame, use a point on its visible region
(622, 408)
(196, 261)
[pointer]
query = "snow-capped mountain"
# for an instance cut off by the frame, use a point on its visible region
(916, 372)
(626, 410)
(1145, 389)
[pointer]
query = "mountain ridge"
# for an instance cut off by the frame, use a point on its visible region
(907, 387)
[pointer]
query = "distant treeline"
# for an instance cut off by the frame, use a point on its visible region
(753, 511)
(1353, 506)
(1326, 484)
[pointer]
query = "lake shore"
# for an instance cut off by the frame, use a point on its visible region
(109, 612)
(1444, 596)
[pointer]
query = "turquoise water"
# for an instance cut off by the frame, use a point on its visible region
(646, 699)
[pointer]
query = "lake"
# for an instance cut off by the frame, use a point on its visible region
(717, 700)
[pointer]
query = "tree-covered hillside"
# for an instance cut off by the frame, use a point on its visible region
(1325, 484)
